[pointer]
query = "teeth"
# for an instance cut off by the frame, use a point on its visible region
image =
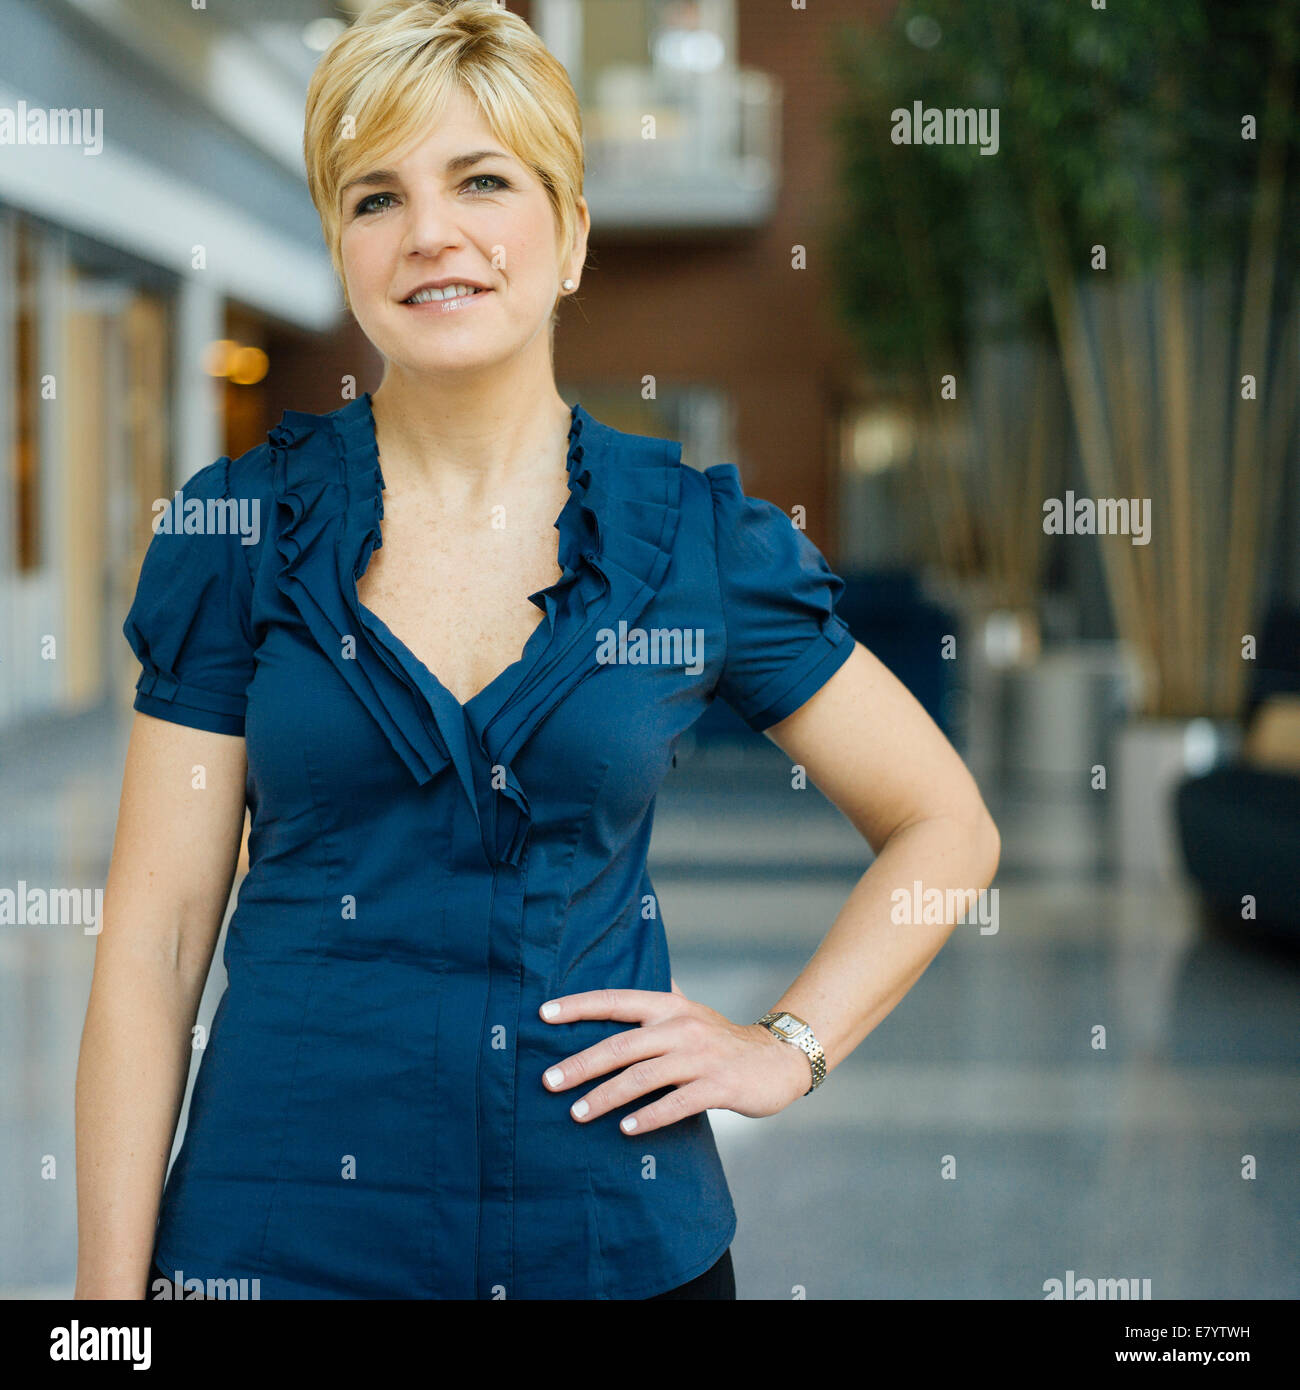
(434, 296)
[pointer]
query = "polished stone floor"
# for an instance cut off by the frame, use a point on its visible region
(1122, 1163)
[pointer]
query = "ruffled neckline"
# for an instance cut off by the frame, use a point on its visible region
(577, 523)
(616, 531)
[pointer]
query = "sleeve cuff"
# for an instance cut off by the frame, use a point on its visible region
(805, 676)
(194, 709)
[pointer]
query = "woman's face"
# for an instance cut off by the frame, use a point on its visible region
(442, 211)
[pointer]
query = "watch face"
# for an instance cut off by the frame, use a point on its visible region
(787, 1025)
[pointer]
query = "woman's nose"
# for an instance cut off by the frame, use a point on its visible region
(431, 225)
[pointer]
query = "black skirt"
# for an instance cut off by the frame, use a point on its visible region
(718, 1281)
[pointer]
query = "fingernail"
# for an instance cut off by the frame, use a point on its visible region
(554, 1077)
(579, 1109)
(549, 1010)
(627, 1124)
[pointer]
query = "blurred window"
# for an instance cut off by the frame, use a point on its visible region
(25, 460)
(702, 418)
(670, 60)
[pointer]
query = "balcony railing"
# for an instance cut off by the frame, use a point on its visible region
(680, 153)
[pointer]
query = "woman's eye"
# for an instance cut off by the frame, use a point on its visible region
(365, 205)
(374, 203)
(493, 178)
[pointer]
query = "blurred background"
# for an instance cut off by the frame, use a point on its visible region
(923, 337)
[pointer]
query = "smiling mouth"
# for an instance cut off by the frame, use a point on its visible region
(434, 296)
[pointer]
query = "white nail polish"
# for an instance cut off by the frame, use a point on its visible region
(550, 1010)
(580, 1109)
(628, 1124)
(555, 1077)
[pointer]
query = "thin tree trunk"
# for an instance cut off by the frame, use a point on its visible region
(1261, 270)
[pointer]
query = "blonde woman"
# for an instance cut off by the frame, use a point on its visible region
(451, 1061)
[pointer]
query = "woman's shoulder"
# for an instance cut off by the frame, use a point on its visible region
(656, 464)
(248, 474)
(649, 474)
(644, 467)
(300, 445)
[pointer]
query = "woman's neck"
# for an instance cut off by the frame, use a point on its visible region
(460, 444)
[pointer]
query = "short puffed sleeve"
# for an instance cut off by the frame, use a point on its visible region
(189, 624)
(784, 640)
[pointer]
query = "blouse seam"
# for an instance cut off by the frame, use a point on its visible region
(249, 570)
(291, 1088)
(808, 661)
(248, 559)
(517, 1027)
(593, 1209)
(186, 694)
(189, 716)
(439, 972)
(722, 602)
(191, 696)
(574, 840)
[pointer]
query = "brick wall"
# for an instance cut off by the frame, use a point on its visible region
(735, 314)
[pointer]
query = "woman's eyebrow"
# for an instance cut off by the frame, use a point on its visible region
(454, 164)
(463, 161)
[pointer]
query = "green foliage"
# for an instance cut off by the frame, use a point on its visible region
(1101, 112)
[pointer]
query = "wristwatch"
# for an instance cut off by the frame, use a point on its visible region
(792, 1029)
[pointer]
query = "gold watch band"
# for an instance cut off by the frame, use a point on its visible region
(798, 1033)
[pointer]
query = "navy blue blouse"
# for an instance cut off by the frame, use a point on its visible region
(369, 1118)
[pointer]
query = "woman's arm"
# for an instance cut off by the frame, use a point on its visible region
(870, 746)
(179, 827)
(867, 743)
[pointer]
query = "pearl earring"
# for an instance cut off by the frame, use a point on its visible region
(567, 284)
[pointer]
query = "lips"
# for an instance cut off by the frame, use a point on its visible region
(437, 294)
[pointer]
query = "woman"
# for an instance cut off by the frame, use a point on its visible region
(451, 1061)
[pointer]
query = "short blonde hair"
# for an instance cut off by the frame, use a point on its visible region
(389, 76)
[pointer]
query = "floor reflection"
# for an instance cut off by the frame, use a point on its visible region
(1117, 1163)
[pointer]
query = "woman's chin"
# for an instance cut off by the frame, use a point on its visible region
(442, 364)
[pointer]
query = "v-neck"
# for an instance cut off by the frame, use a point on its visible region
(536, 640)
(616, 531)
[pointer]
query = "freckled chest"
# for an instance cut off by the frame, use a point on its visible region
(454, 590)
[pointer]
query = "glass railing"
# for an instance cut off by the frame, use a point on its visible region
(699, 147)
